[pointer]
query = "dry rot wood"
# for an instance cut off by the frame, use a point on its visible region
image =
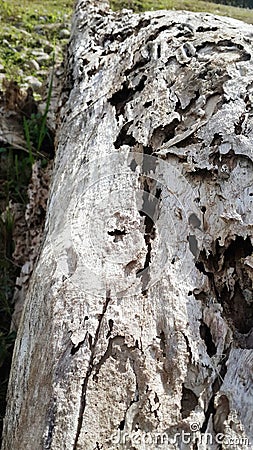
(138, 319)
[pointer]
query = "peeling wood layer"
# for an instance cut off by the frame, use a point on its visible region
(138, 321)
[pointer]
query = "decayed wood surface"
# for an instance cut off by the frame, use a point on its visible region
(137, 328)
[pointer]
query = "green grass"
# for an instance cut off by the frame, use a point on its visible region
(32, 11)
(19, 38)
(245, 15)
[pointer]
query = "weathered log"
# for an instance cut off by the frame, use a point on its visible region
(137, 329)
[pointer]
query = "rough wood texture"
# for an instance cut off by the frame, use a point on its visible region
(137, 326)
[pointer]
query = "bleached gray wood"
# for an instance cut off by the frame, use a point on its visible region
(137, 326)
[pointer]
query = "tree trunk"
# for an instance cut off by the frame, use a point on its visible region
(136, 332)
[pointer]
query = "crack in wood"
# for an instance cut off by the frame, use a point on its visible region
(89, 371)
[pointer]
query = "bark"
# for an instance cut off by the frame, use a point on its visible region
(137, 324)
